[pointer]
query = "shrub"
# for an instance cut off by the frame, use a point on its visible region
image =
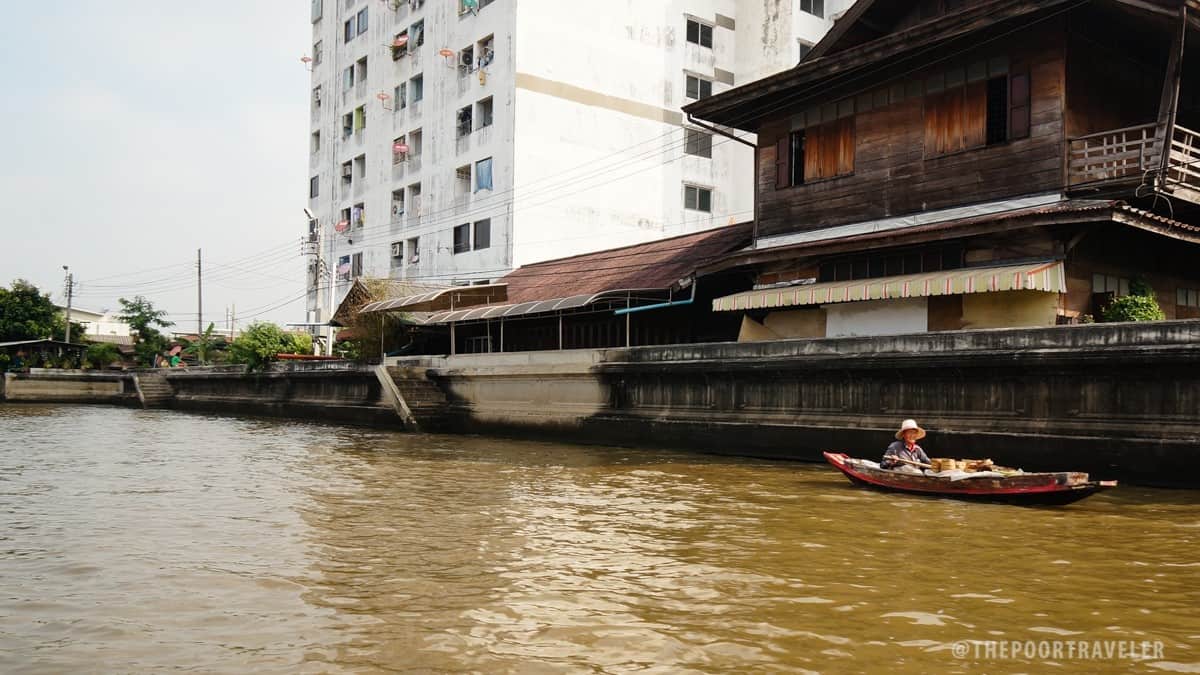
(101, 354)
(259, 345)
(1134, 308)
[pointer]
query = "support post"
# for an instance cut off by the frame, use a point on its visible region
(453, 340)
(199, 297)
(560, 343)
(1169, 101)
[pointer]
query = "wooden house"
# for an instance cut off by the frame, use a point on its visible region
(947, 164)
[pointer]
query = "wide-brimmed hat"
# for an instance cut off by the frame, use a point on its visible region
(910, 424)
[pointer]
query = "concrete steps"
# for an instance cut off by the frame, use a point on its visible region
(153, 389)
(425, 401)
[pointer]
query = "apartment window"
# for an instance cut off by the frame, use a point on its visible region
(699, 33)
(697, 198)
(1187, 297)
(347, 173)
(483, 174)
(483, 233)
(463, 122)
(360, 70)
(343, 268)
(362, 21)
(397, 204)
(400, 45)
(314, 187)
(416, 33)
(397, 253)
(360, 167)
(698, 87)
(399, 149)
(358, 215)
(483, 113)
(347, 125)
(415, 143)
(814, 7)
(414, 198)
(805, 48)
(314, 145)
(487, 50)
(349, 30)
(318, 53)
(345, 218)
(1107, 283)
(484, 3)
(356, 267)
(316, 99)
(462, 181)
(416, 87)
(360, 118)
(316, 11)
(974, 106)
(414, 250)
(401, 96)
(466, 60)
(462, 238)
(348, 78)
(697, 143)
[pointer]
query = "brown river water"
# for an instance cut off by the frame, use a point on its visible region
(143, 541)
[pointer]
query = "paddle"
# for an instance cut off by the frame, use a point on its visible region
(912, 462)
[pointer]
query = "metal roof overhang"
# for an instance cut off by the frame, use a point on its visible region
(1047, 276)
(442, 299)
(526, 309)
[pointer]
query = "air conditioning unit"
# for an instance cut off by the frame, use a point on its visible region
(397, 250)
(347, 170)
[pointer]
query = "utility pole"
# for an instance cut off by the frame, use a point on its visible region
(199, 297)
(70, 293)
(233, 322)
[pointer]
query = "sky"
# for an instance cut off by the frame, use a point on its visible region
(137, 132)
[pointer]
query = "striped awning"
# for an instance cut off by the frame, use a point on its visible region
(1040, 276)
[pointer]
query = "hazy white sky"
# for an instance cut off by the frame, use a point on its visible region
(137, 132)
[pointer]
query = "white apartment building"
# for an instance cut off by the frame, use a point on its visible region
(454, 140)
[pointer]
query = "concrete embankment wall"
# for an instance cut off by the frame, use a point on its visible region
(1118, 400)
(69, 386)
(346, 395)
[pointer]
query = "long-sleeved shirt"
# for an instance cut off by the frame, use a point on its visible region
(901, 450)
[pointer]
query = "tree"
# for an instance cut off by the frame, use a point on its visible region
(259, 345)
(101, 354)
(1139, 305)
(145, 321)
(202, 347)
(28, 314)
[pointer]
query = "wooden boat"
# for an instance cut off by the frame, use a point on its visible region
(1025, 488)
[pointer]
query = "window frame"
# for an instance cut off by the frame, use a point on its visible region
(314, 186)
(697, 143)
(699, 32)
(461, 239)
(815, 8)
(700, 82)
(486, 228)
(698, 190)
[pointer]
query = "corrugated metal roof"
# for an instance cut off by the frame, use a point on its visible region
(442, 299)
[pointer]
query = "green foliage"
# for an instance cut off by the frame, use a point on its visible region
(1140, 287)
(259, 345)
(101, 354)
(347, 349)
(1134, 308)
(302, 343)
(145, 321)
(28, 314)
(203, 346)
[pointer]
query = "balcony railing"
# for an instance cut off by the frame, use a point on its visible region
(1183, 169)
(1109, 155)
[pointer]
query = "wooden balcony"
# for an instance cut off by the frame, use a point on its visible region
(1183, 171)
(1131, 156)
(1117, 155)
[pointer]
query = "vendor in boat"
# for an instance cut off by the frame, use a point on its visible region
(905, 448)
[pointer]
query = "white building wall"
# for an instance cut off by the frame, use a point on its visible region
(587, 138)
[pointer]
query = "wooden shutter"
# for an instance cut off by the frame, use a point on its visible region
(845, 146)
(975, 115)
(1018, 105)
(783, 149)
(813, 149)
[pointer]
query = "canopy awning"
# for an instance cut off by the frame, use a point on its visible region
(1041, 276)
(442, 299)
(629, 297)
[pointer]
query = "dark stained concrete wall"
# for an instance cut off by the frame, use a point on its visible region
(1117, 400)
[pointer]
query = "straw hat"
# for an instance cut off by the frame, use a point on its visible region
(909, 424)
